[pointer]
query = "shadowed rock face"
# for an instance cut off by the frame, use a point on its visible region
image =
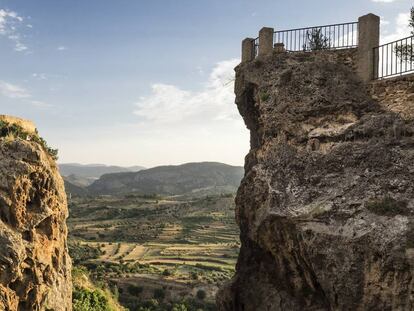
(34, 262)
(326, 205)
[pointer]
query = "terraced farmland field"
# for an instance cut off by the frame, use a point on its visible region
(157, 250)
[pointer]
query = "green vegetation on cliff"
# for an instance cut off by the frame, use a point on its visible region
(11, 132)
(89, 297)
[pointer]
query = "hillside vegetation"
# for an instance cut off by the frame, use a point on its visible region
(89, 297)
(202, 178)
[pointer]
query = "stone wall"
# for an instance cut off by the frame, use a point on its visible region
(395, 94)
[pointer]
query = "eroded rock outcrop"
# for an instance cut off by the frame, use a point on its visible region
(34, 262)
(327, 202)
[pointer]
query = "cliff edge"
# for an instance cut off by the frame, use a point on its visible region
(327, 202)
(35, 268)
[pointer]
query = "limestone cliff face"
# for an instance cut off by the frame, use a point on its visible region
(327, 202)
(34, 262)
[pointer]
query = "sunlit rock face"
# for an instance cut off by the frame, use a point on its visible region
(34, 262)
(326, 205)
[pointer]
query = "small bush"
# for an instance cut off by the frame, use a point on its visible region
(179, 307)
(201, 294)
(194, 275)
(159, 293)
(86, 300)
(264, 97)
(316, 40)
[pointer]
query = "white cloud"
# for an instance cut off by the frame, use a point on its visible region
(8, 20)
(401, 29)
(19, 46)
(39, 76)
(169, 104)
(384, 1)
(12, 91)
(17, 92)
(62, 48)
(384, 22)
(187, 125)
(9, 23)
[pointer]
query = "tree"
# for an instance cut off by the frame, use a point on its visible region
(315, 40)
(86, 300)
(201, 294)
(405, 51)
(159, 293)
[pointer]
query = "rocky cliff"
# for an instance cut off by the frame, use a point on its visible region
(326, 205)
(34, 262)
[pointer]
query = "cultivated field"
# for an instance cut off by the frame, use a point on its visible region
(157, 250)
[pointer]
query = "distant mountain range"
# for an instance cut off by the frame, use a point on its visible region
(204, 177)
(83, 175)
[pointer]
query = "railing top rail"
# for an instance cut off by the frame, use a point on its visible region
(392, 42)
(312, 27)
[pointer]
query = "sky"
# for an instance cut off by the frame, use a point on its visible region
(134, 82)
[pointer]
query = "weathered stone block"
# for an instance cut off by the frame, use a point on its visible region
(266, 41)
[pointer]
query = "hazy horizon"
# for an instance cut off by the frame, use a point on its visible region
(147, 83)
(135, 165)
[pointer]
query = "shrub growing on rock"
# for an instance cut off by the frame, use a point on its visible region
(14, 131)
(86, 300)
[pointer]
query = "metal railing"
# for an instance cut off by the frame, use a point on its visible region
(327, 37)
(335, 36)
(394, 58)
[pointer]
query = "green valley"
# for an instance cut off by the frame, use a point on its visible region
(156, 252)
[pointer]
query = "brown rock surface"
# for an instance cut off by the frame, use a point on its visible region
(396, 95)
(327, 202)
(34, 262)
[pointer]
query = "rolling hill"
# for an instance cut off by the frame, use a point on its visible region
(75, 190)
(205, 178)
(83, 175)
